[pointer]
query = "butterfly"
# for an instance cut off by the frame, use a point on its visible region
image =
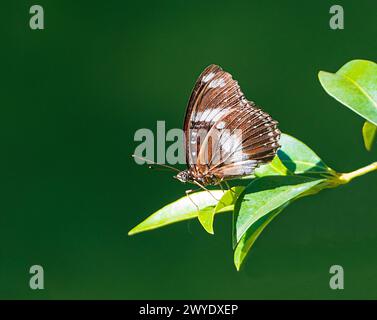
(226, 136)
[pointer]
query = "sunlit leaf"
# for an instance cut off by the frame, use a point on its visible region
(354, 85)
(274, 168)
(206, 217)
(229, 198)
(369, 134)
(263, 195)
(247, 241)
(295, 157)
(180, 210)
(226, 209)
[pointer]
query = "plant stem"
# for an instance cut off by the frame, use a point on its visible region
(347, 177)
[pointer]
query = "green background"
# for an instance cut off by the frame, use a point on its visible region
(72, 97)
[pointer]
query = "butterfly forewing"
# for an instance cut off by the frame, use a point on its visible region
(215, 94)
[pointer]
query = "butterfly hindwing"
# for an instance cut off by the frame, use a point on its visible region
(248, 137)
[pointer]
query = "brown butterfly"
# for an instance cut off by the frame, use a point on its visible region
(226, 136)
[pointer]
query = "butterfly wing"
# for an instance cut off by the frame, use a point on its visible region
(215, 93)
(226, 135)
(243, 144)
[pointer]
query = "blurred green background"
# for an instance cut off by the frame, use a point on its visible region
(72, 97)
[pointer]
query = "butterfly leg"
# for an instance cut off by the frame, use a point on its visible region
(205, 189)
(188, 196)
(229, 187)
(219, 182)
(223, 190)
(221, 186)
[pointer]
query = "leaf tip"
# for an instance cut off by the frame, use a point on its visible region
(132, 232)
(369, 132)
(237, 264)
(321, 76)
(206, 220)
(209, 229)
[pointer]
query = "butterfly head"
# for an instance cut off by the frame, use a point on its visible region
(184, 176)
(191, 176)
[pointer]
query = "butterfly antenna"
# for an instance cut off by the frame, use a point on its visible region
(156, 168)
(155, 163)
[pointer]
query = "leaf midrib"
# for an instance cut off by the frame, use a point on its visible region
(366, 93)
(277, 169)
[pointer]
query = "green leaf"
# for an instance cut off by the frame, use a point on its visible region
(226, 209)
(206, 217)
(369, 134)
(182, 209)
(354, 85)
(263, 195)
(274, 168)
(248, 239)
(229, 198)
(296, 157)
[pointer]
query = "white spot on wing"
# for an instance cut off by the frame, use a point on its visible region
(208, 77)
(231, 141)
(217, 83)
(217, 114)
(221, 125)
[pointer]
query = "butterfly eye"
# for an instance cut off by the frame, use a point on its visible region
(182, 176)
